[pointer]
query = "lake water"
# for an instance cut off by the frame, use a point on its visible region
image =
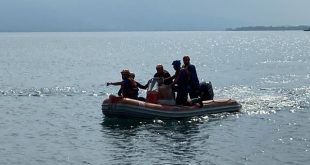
(52, 86)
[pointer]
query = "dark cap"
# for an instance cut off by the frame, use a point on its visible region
(176, 63)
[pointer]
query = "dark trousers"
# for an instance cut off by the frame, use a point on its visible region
(193, 92)
(182, 94)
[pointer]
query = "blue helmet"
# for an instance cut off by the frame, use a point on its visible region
(176, 63)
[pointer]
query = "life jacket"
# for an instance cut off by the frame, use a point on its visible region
(130, 90)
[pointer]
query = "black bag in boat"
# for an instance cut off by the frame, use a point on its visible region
(206, 90)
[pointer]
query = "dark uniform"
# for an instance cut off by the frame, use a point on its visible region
(182, 87)
(193, 81)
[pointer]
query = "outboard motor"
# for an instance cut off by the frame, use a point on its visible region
(206, 90)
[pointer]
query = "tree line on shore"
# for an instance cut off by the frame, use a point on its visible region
(269, 28)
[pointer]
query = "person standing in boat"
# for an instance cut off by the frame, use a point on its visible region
(192, 77)
(180, 83)
(129, 88)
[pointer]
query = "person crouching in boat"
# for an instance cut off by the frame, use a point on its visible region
(180, 83)
(162, 73)
(133, 75)
(128, 85)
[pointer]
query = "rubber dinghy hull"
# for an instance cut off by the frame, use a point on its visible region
(130, 108)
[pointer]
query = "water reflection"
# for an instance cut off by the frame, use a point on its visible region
(167, 128)
(182, 125)
(165, 140)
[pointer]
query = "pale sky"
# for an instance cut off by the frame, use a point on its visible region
(68, 15)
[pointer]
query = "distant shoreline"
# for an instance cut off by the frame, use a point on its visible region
(247, 28)
(116, 30)
(269, 28)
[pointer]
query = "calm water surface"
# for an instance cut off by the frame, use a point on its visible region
(52, 86)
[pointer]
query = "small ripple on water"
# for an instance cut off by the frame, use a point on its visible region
(54, 91)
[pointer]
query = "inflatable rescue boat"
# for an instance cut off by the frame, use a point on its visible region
(157, 106)
(125, 107)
